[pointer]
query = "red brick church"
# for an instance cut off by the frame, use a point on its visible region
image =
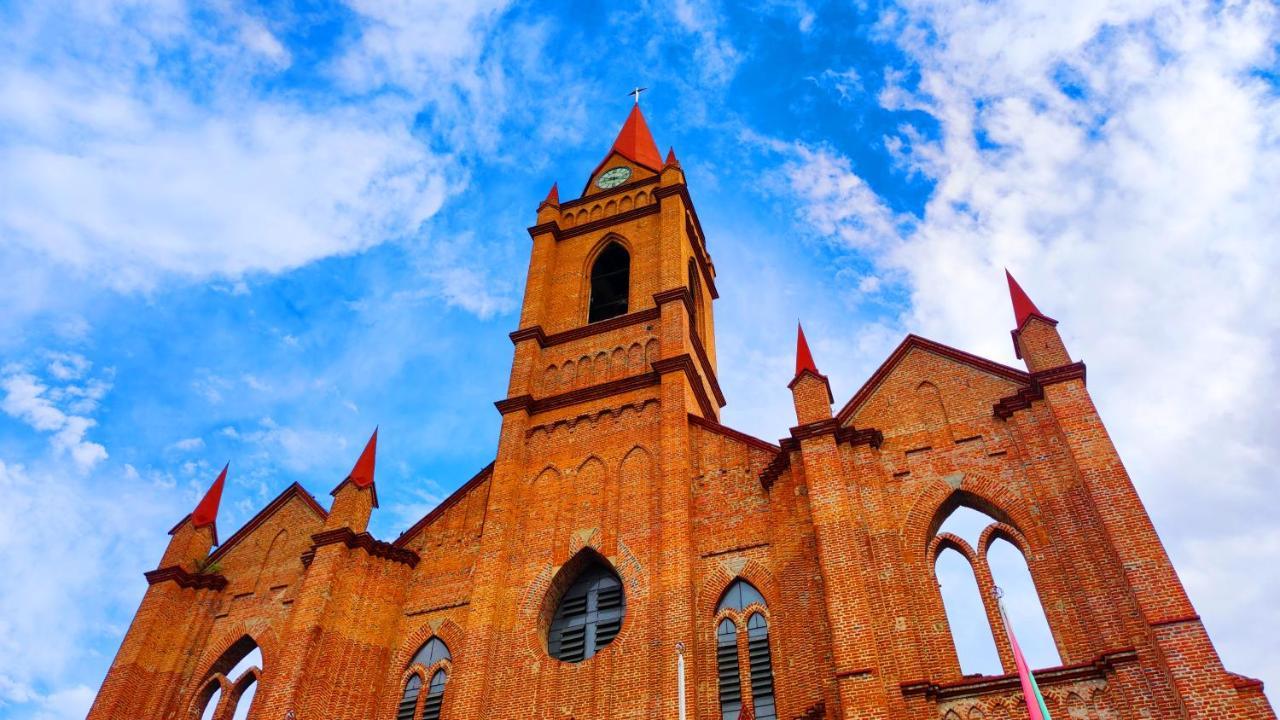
(626, 555)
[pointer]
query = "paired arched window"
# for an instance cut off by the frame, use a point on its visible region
(229, 691)
(589, 615)
(973, 555)
(610, 283)
(432, 660)
(743, 633)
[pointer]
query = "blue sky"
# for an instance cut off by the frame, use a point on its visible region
(253, 232)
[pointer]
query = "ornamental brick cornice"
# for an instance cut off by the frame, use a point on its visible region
(1021, 400)
(185, 579)
(680, 363)
(363, 541)
(870, 437)
(817, 428)
(860, 436)
(621, 189)
(559, 233)
(1105, 664)
(535, 332)
(683, 362)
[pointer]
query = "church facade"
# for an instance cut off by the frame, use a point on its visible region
(626, 555)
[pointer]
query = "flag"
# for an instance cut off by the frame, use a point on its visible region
(1036, 709)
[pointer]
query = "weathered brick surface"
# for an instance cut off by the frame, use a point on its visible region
(610, 447)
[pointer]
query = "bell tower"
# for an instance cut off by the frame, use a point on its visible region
(620, 286)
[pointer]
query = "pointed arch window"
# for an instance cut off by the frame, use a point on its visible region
(589, 615)
(228, 692)
(421, 699)
(737, 636)
(973, 553)
(610, 283)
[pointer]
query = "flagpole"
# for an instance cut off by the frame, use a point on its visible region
(1036, 709)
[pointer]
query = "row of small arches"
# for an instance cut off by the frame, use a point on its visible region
(608, 209)
(591, 370)
(1076, 707)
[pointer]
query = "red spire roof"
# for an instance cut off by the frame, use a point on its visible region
(206, 513)
(1022, 305)
(671, 156)
(635, 142)
(553, 197)
(804, 358)
(362, 473)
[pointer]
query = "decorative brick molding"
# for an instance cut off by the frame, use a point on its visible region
(594, 225)
(860, 436)
(535, 332)
(828, 426)
(852, 436)
(364, 541)
(685, 363)
(1100, 668)
(620, 190)
(1021, 400)
(184, 579)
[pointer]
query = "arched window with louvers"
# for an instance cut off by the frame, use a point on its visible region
(589, 615)
(423, 695)
(742, 635)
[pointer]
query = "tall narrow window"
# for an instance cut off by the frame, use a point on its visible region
(433, 657)
(727, 668)
(610, 283)
(435, 696)
(761, 667)
(409, 700)
(589, 616)
(740, 597)
(695, 291)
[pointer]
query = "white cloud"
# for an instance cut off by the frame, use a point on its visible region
(187, 444)
(116, 171)
(34, 403)
(54, 520)
(1121, 158)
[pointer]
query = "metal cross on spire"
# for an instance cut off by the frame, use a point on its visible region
(636, 93)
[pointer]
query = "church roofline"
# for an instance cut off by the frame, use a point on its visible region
(726, 431)
(913, 342)
(294, 490)
(444, 505)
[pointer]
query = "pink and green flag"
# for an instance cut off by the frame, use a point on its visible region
(1036, 709)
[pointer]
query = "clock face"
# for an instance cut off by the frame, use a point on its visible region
(613, 177)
